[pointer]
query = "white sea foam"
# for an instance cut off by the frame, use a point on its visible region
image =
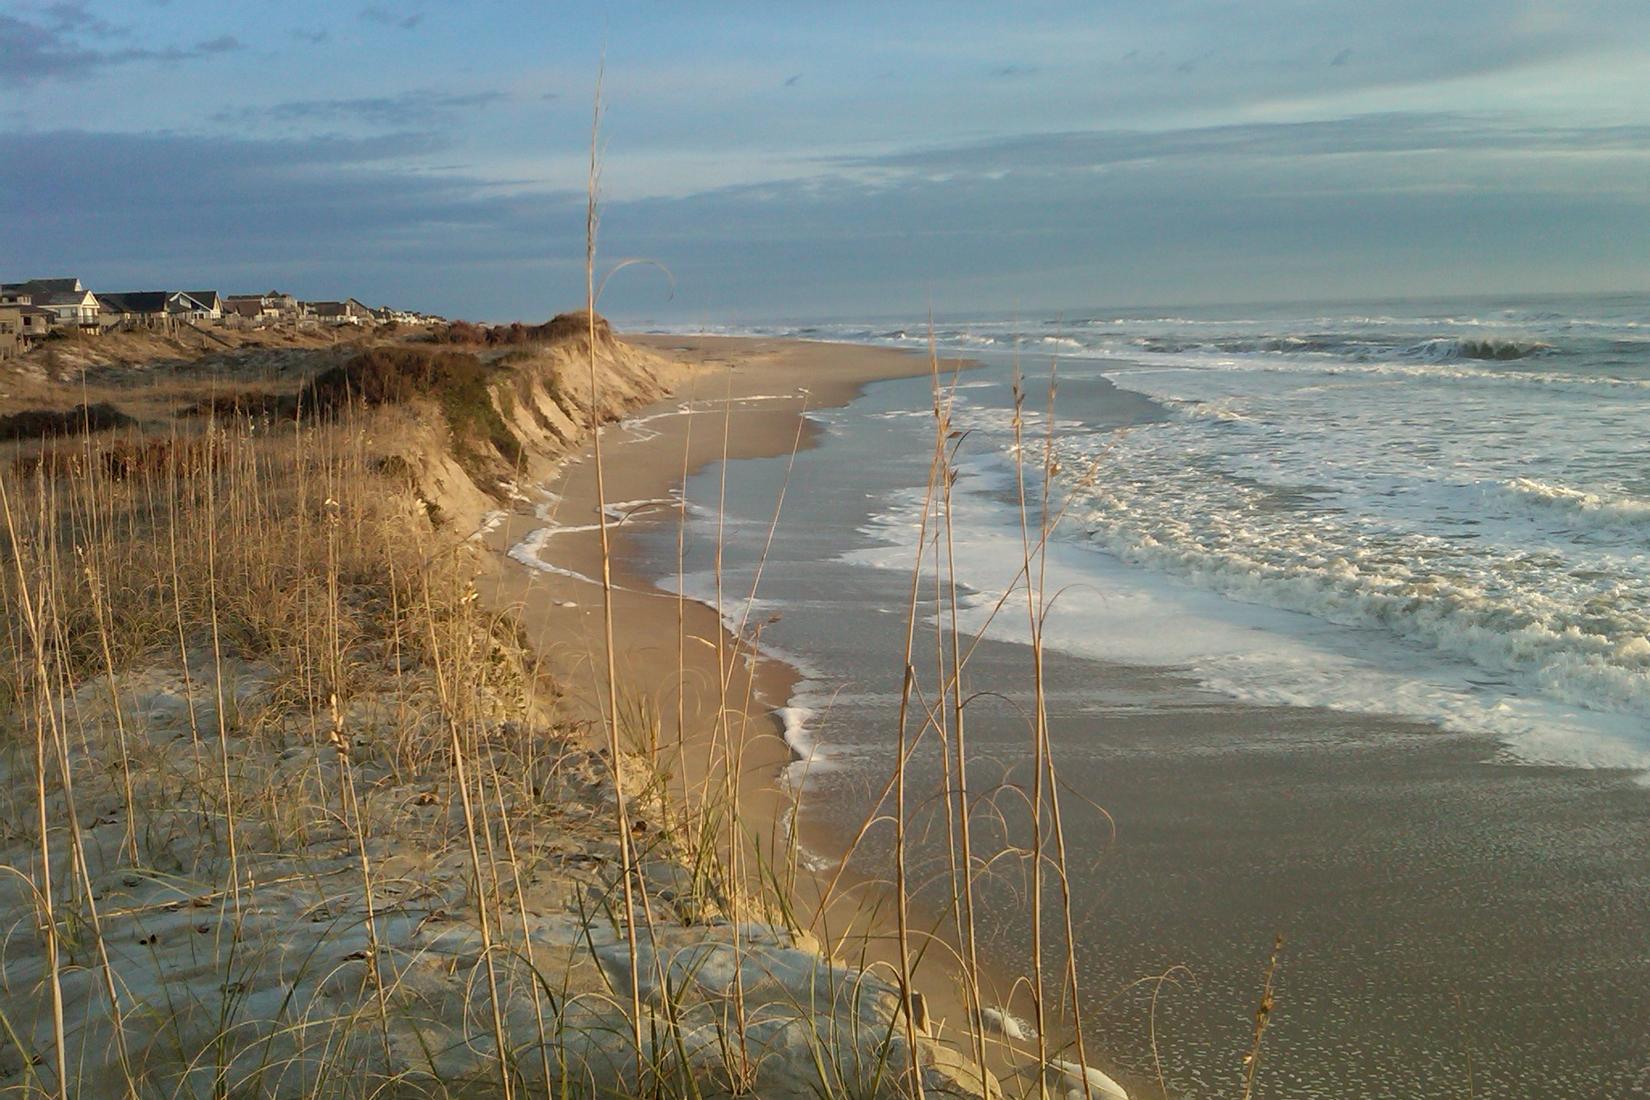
(621, 511)
(530, 552)
(1600, 509)
(490, 522)
(740, 612)
(810, 759)
(1255, 649)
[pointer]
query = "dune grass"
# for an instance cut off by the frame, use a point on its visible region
(239, 654)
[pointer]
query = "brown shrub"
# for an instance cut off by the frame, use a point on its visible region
(455, 381)
(56, 423)
(574, 325)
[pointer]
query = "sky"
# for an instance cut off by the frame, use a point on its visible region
(806, 160)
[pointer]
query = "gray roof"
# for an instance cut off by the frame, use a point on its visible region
(46, 286)
(136, 301)
(59, 297)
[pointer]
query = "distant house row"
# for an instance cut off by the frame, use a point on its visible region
(35, 309)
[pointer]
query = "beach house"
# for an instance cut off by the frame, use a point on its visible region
(70, 303)
(131, 309)
(207, 305)
(347, 312)
(11, 329)
(160, 309)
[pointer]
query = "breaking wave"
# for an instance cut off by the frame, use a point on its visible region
(1446, 349)
(1598, 509)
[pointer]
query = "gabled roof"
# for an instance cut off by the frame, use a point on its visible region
(60, 297)
(184, 301)
(204, 297)
(136, 301)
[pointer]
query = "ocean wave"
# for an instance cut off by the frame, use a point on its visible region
(1270, 632)
(1446, 348)
(1221, 410)
(1478, 372)
(530, 551)
(1256, 345)
(807, 756)
(1594, 509)
(1596, 657)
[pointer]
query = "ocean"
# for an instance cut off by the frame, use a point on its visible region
(1349, 639)
(1433, 513)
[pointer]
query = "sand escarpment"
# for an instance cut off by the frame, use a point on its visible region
(475, 420)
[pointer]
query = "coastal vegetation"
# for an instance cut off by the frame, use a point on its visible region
(293, 810)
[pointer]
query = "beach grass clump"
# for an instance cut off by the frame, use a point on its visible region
(457, 382)
(132, 543)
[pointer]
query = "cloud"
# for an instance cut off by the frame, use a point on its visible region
(67, 16)
(407, 110)
(224, 43)
(33, 53)
(1192, 226)
(1260, 210)
(314, 36)
(116, 197)
(384, 16)
(1086, 151)
(1009, 72)
(1341, 58)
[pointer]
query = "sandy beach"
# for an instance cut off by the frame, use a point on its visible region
(746, 398)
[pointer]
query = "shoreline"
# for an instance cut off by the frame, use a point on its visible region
(749, 398)
(1277, 812)
(743, 398)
